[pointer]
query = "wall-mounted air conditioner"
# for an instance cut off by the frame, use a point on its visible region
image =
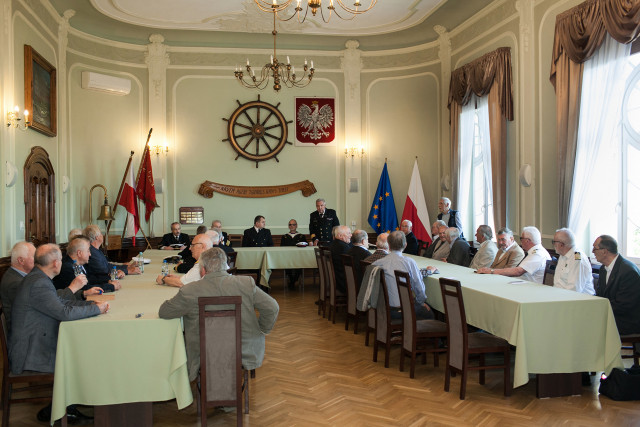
(105, 83)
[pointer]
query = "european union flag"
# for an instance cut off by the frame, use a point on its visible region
(383, 217)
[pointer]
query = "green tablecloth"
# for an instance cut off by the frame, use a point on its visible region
(554, 330)
(118, 358)
(267, 259)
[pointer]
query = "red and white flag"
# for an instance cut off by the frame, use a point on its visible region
(415, 208)
(129, 201)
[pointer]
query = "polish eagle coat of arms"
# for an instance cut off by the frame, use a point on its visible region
(315, 120)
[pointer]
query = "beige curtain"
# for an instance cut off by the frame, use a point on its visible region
(579, 33)
(488, 75)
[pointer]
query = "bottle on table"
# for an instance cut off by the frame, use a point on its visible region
(77, 268)
(141, 262)
(165, 268)
(114, 273)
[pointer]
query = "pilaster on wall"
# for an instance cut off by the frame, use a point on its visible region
(526, 102)
(444, 54)
(157, 60)
(64, 164)
(352, 66)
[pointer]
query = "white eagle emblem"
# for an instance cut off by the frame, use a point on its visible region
(315, 121)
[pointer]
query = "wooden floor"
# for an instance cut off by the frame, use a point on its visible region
(316, 373)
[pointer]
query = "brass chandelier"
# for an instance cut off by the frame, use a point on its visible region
(349, 12)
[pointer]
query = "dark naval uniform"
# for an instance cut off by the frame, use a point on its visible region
(253, 239)
(321, 227)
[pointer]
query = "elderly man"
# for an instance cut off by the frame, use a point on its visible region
(226, 247)
(396, 261)
(442, 246)
(186, 257)
(174, 240)
(99, 268)
(412, 242)
(340, 244)
(75, 232)
(573, 271)
(459, 248)
(257, 236)
(487, 250)
(78, 253)
(224, 237)
(449, 216)
(217, 282)
(359, 251)
(532, 266)
(21, 264)
(292, 238)
(322, 221)
(382, 248)
(509, 252)
(200, 243)
(619, 282)
(435, 238)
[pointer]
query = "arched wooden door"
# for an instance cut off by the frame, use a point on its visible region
(39, 197)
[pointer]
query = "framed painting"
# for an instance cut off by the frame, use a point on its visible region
(40, 92)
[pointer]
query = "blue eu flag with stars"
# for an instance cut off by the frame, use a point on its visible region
(383, 217)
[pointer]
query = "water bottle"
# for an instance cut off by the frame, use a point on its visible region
(165, 268)
(77, 268)
(141, 262)
(114, 273)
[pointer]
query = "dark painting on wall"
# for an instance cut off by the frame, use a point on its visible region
(40, 92)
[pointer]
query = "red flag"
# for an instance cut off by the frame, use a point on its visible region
(415, 208)
(129, 201)
(144, 187)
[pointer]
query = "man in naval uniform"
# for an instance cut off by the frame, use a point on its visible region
(321, 223)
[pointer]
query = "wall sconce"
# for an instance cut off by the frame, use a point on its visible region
(13, 119)
(352, 151)
(160, 149)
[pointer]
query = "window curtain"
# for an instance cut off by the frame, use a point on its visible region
(579, 33)
(488, 75)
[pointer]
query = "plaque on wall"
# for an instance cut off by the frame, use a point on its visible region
(192, 215)
(207, 189)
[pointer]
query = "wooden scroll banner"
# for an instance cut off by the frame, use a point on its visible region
(207, 189)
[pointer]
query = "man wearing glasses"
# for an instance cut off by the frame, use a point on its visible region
(573, 271)
(199, 244)
(292, 238)
(531, 267)
(619, 282)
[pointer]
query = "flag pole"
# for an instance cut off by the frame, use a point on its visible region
(115, 205)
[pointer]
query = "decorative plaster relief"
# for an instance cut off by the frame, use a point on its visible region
(104, 52)
(41, 12)
(498, 17)
(157, 59)
(401, 61)
(525, 7)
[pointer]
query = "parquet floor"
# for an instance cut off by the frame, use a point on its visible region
(316, 373)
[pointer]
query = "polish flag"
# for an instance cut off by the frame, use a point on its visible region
(415, 208)
(129, 201)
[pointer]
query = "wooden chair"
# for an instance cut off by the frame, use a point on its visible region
(42, 381)
(232, 257)
(462, 344)
(549, 272)
(371, 314)
(352, 293)
(632, 340)
(322, 273)
(336, 298)
(386, 327)
(221, 379)
(418, 336)
(233, 271)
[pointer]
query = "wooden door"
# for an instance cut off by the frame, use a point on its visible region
(39, 198)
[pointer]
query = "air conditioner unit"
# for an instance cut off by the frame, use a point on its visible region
(105, 83)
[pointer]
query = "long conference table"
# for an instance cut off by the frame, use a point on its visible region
(127, 355)
(554, 330)
(267, 259)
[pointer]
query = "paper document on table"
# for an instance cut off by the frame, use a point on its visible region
(101, 298)
(517, 282)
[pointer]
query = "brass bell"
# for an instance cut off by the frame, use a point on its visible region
(105, 211)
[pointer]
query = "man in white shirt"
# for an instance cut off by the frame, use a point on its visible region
(199, 244)
(531, 267)
(573, 271)
(487, 250)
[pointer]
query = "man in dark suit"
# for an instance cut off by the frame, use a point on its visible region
(359, 251)
(435, 238)
(21, 264)
(321, 223)
(619, 281)
(340, 244)
(98, 269)
(257, 236)
(459, 252)
(224, 239)
(175, 240)
(187, 261)
(448, 215)
(292, 238)
(412, 242)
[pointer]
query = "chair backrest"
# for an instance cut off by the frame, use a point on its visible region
(322, 272)
(371, 316)
(549, 272)
(220, 350)
(330, 276)
(403, 280)
(383, 311)
(4, 336)
(456, 321)
(231, 259)
(233, 271)
(352, 287)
